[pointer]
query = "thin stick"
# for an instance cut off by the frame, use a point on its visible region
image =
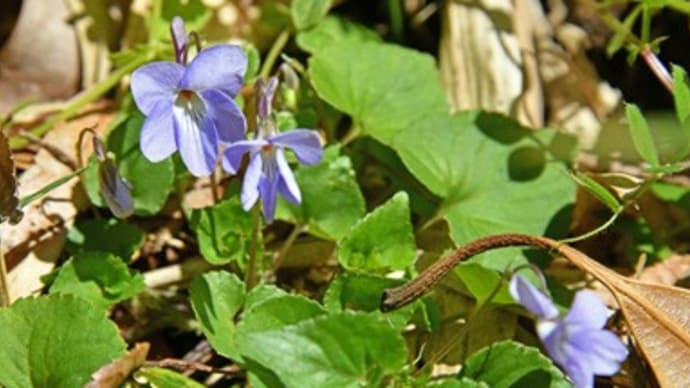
(4, 286)
(184, 365)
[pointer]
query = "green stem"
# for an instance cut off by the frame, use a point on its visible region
(646, 22)
(273, 53)
(395, 12)
(214, 187)
(614, 24)
(250, 278)
(84, 99)
(49, 187)
(593, 232)
(280, 255)
(4, 286)
(351, 135)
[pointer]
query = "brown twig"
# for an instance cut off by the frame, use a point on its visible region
(395, 298)
(184, 365)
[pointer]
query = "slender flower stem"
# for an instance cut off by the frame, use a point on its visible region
(657, 68)
(595, 231)
(214, 187)
(4, 286)
(274, 52)
(250, 277)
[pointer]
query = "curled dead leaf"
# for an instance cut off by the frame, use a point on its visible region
(115, 373)
(9, 200)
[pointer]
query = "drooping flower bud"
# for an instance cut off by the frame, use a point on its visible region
(266, 91)
(180, 40)
(115, 190)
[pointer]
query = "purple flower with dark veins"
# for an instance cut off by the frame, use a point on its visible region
(190, 108)
(268, 172)
(578, 341)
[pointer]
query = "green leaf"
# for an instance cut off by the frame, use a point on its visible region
(276, 313)
(194, 13)
(332, 30)
(382, 240)
(216, 298)
(90, 180)
(598, 191)
(307, 13)
(457, 383)
(262, 293)
(101, 278)
(510, 364)
(641, 135)
(151, 182)
(55, 341)
(488, 183)
(337, 350)
(383, 87)
(363, 292)
(331, 199)
(481, 282)
(681, 93)
(620, 37)
(223, 230)
(106, 235)
(164, 378)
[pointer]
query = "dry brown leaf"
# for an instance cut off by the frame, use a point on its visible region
(658, 317)
(115, 373)
(32, 246)
(669, 271)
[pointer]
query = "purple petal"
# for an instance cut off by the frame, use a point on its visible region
(154, 83)
(579, 371)
(195, 135)
(303, 142)
(226, 115)
(604, 350)
(232, 157)
(268, 186)
(250, 185)
(266, 92)
(531, 298)
(287, 186)
(217, 67)
(158, 134)
(116, 192)
(565, 353)
(587, 311)
(180, 39)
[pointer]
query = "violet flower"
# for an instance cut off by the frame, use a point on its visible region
(190, 108)
(577, 342)
(268, 172)
(115, 190)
